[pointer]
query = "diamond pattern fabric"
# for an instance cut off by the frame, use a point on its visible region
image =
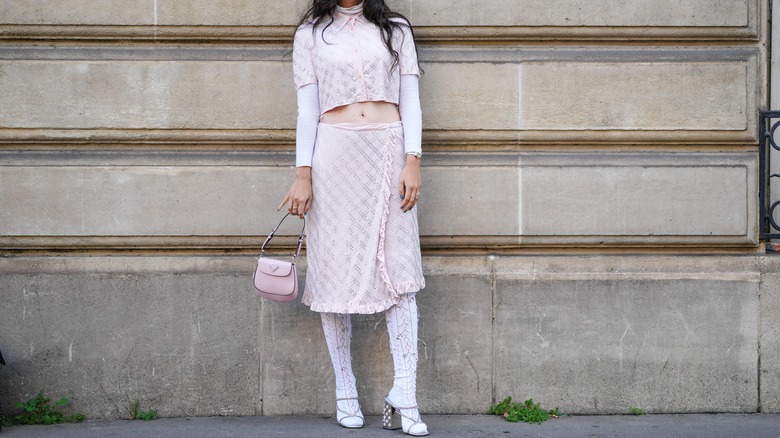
(350, 62)
(338, 336)
(363, 251)
(402, 322)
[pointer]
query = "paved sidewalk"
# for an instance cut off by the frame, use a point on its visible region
(690, 425)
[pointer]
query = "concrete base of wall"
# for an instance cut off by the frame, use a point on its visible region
(587, 334)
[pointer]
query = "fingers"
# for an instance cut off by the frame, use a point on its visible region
(410, 185)
(291, 198)
(406, 201)
(294, 208)
(300, 205)
(410, 198)
(284, 201)
(299, 197)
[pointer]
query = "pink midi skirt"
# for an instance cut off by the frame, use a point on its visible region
(362, 250)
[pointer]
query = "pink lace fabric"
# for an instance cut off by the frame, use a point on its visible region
(349, 61)
(363, 251)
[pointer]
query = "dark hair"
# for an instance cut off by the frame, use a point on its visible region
(375, 11)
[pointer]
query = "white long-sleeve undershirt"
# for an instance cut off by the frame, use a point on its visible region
(411, 112)
(308, 119)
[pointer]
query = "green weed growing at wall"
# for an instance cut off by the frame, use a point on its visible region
(38, 410)
(527, 412)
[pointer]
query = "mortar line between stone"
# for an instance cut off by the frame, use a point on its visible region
(759, 408)
(155, 20)
(492, 330)
(260, 355)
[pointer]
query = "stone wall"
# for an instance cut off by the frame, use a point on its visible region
(589, 334)
(584, 162)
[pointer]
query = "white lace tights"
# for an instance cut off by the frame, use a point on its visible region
(402, 320)
(338, 333)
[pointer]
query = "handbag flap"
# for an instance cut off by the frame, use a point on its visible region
(273, 267)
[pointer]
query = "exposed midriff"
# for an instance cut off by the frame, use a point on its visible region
(363, 112)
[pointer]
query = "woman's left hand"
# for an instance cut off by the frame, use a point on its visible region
(411, 183)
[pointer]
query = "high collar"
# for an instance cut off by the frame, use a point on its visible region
(354, 10)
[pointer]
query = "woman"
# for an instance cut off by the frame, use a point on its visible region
(357, 181)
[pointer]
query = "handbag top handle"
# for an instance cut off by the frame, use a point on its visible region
(271, 236)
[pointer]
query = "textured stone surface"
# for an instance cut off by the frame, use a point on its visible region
(460, 358)
(81, 201)
(649, 196)
(578, 197)
(769, 335)
(695, 96)
(147, 95)
(695, 13)
(603, 345)
(469, 191)
(182, 343)
(296, 371)
(468, 96)
(231, 13)
(587, 334)
(151, 12)
(543, 95)
(582, 13)
(125, 12)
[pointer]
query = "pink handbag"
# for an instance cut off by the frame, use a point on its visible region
(277, 280)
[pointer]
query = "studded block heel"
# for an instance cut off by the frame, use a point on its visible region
(392, 420)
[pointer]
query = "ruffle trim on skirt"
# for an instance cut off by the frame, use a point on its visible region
(388, 188)
(366, 309)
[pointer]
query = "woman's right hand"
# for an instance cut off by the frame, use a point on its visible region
(299, 196)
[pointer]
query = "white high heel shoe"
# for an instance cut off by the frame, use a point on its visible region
(394, 418)
(350, 420)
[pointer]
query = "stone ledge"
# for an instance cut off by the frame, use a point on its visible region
(509, 267)
(442, 139)
(263, 35)
(464, 245)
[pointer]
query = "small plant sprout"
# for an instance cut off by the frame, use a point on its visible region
(38, 410)
(135, 407)
(528, 412)
(137, 414)
(151, 414)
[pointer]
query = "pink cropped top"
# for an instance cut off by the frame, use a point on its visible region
(349, 61)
